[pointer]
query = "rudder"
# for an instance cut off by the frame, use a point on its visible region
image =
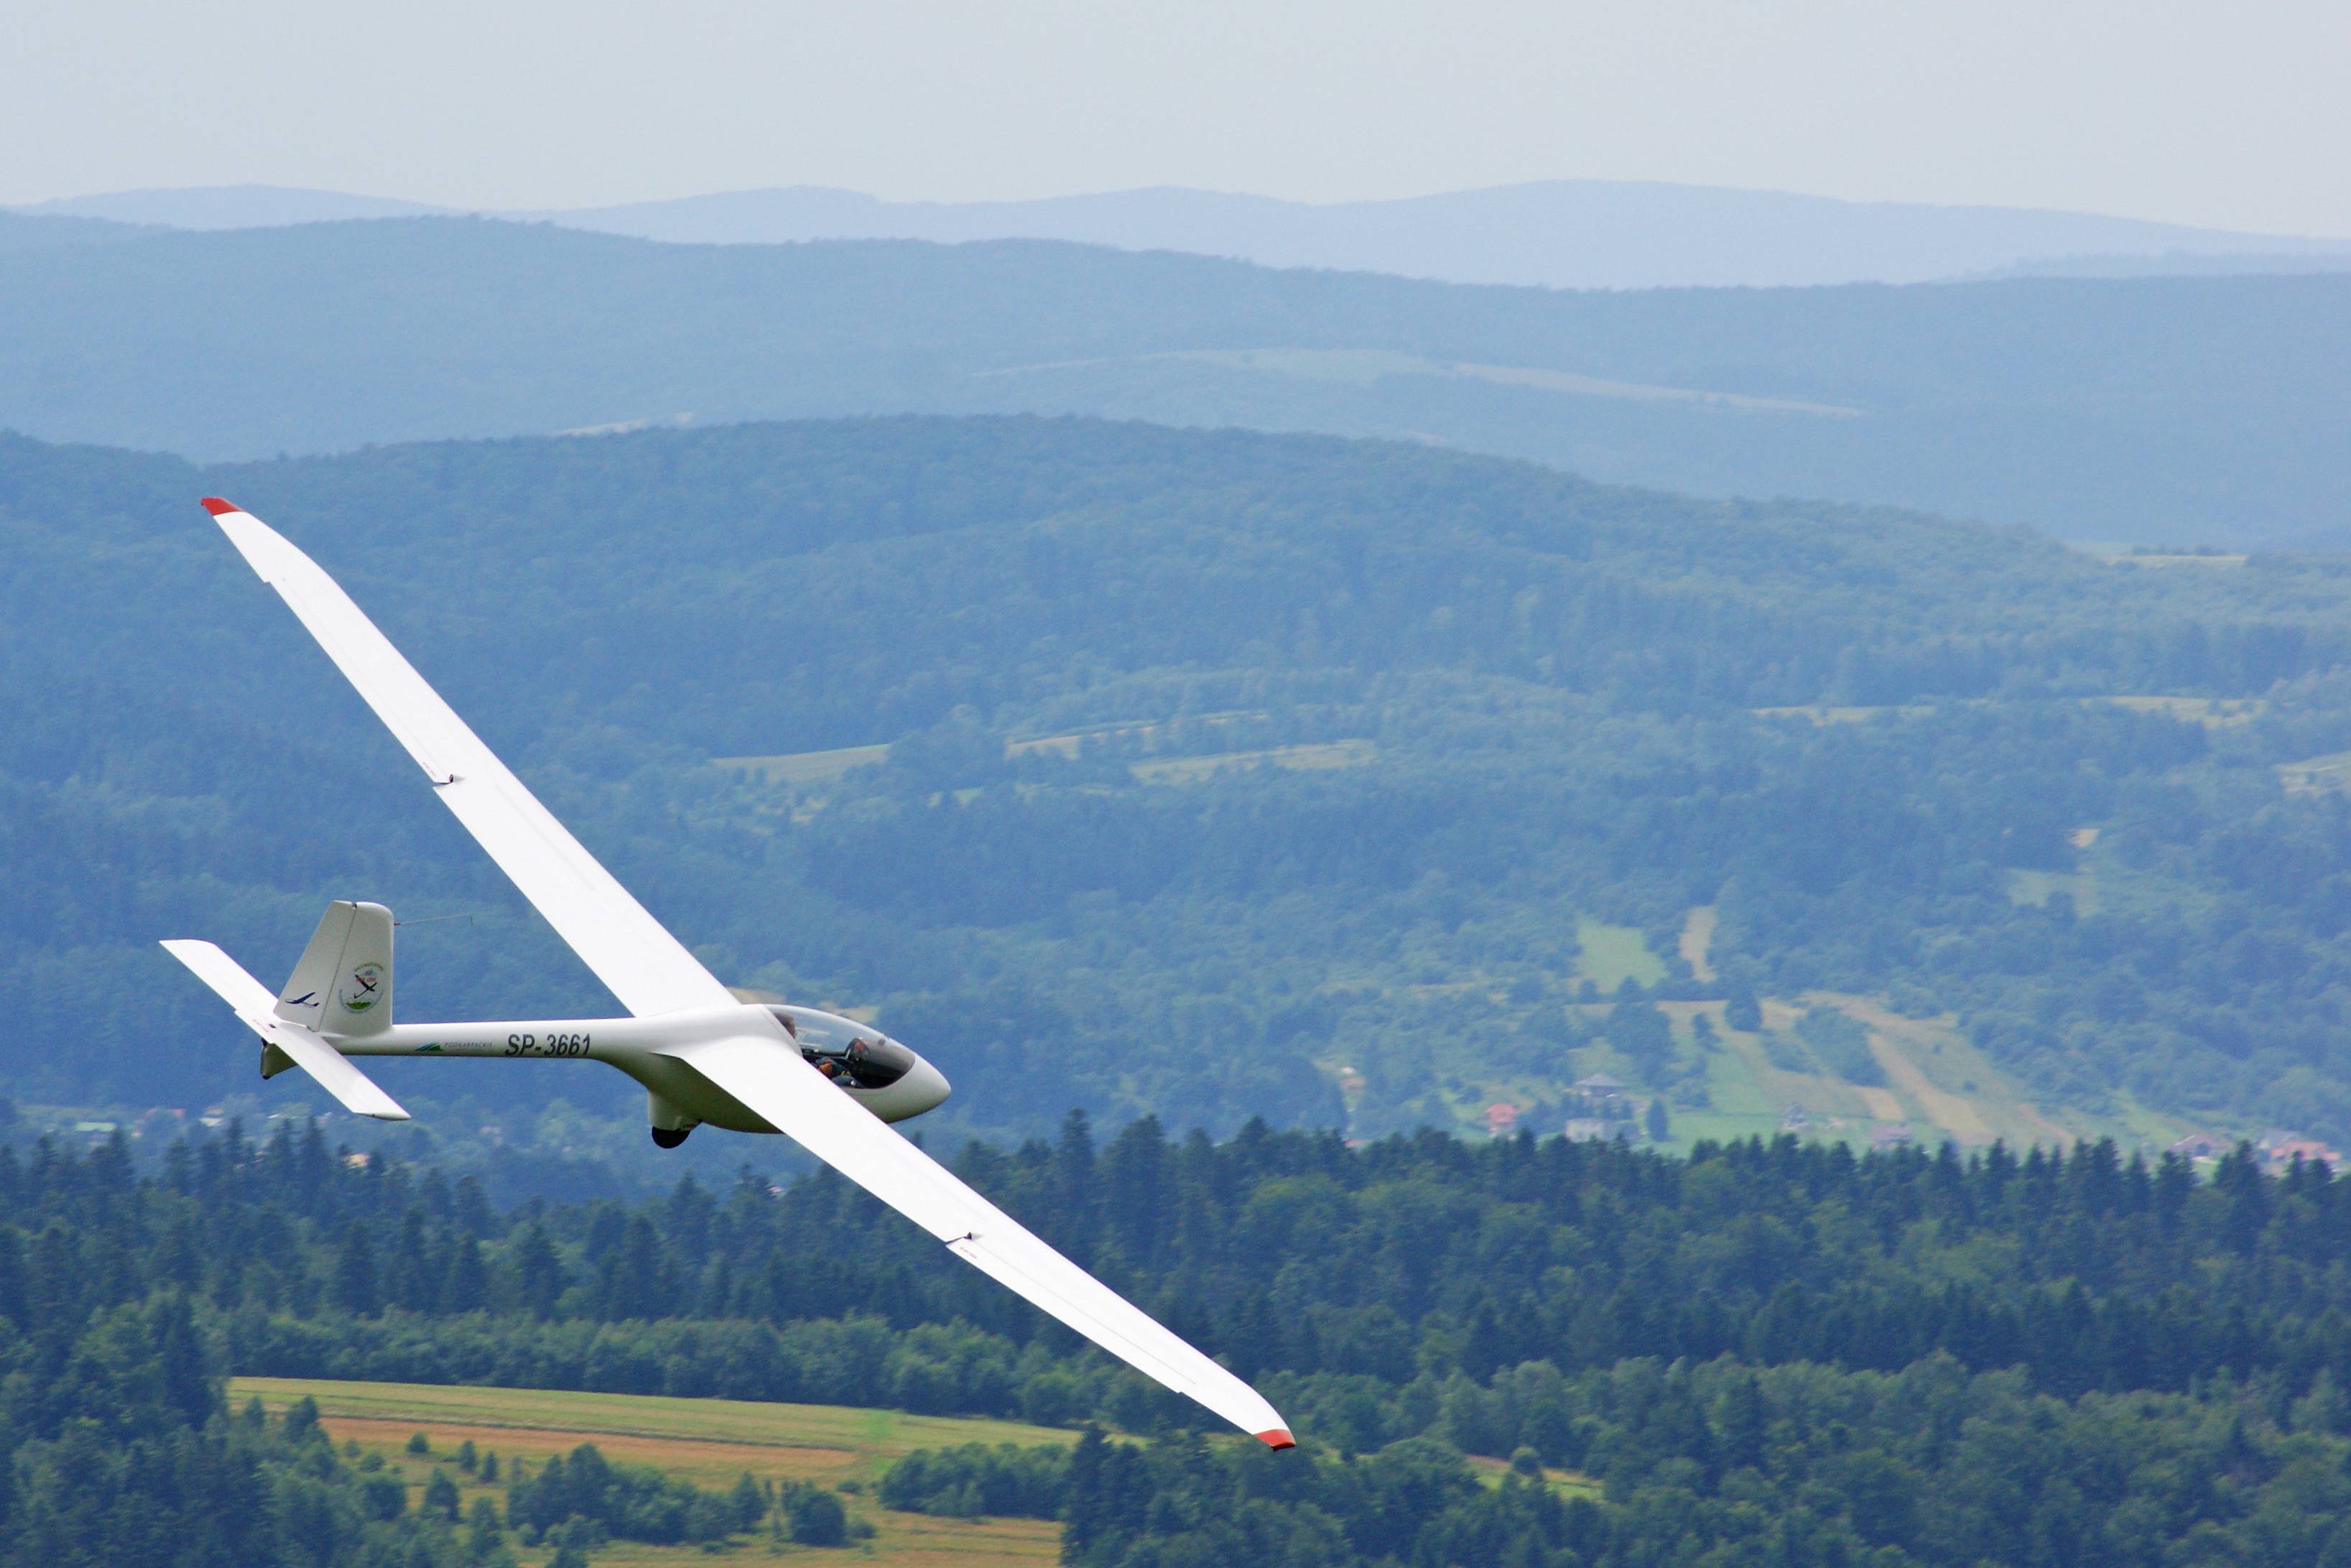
(343, 984)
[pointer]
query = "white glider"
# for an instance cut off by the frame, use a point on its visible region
(828, 1082)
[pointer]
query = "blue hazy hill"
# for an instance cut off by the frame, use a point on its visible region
(1562, 234)
(2142, 409)
(27, 230)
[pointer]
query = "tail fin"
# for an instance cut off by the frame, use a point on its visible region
(342, 986)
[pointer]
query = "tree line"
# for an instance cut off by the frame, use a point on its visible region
(1728, 1338)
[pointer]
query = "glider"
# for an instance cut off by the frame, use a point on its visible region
(829, 1083)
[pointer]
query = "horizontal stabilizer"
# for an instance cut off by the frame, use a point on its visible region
(358, 1093)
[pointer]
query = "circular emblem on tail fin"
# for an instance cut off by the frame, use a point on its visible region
(363, 989)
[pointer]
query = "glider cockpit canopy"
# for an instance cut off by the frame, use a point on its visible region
(844, 1049)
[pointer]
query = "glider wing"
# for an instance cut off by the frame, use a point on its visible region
(794, 1098)
(651, 972)
(645, 967)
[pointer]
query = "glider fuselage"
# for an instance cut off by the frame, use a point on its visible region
(643, 1048)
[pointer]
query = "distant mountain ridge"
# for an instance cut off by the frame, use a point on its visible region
(31, 231)
(1563, 233)
(2151, 409)
(229, 207)
(1560, 233)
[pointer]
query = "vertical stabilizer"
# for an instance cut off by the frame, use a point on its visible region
(343, 985)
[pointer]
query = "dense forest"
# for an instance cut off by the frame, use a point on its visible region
(1764, 1352)
(2157, 410)
(1225, 774)
(118, 1447)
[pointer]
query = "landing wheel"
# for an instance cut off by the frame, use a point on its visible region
(669, 1137)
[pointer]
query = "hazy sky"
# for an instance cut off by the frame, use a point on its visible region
(2232, 115)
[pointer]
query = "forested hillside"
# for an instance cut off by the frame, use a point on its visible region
(1209, 775)
(2184, 410)
(1766, 1352)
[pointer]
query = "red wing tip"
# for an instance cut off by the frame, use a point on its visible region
(1278, 1437)
(216, 506)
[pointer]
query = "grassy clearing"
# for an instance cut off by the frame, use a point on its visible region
(802, 768)
(1072, 742)
(2037, 887)
(1613, 954)
(1936, 1082)
(708, 1441)
(1823, 714)
(1698, 941)
(1949, 1088)
(2213, 713)
(883, 1435)
(1566, 1483)
(1319, 756)
(2135, 1126)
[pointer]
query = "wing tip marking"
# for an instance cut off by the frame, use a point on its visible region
(219, 507)
(1277, 1438)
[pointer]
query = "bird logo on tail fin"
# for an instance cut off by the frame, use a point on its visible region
(363, 989)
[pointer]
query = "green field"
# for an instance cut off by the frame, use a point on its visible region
(709, 1442)
(1938, 1083)
(803, 768)
(2037, 887)
(1613, 953)
(1297, 758)
(807, 766)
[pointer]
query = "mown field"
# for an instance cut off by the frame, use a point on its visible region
(709, 1442)
(1936, 1083)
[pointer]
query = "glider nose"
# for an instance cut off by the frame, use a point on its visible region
(927, 1086)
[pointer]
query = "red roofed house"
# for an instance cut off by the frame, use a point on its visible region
(2281, 1155)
